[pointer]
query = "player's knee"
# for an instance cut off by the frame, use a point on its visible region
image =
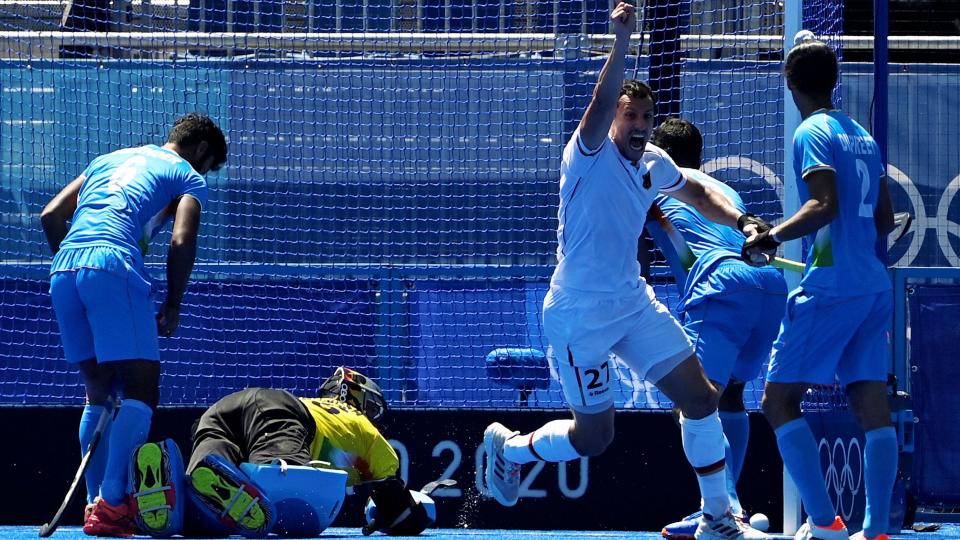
(779, 409)
(700, 402)
(868, 400)
(140, 380)
(731, 400)
(97, 381)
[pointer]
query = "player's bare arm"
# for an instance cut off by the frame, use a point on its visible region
(883, 215)
(180, 259)
(603, 107)
(816, 213)
(58, 212)
(819, 210)
(714, 205)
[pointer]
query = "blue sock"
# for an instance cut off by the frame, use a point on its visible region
(800, 457)
(98, 462)
(736, 429)
(880, 467)
(130, 429)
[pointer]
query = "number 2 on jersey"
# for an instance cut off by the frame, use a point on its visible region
(866, 209)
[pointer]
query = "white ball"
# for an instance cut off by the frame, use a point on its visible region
(803, 35)
(760, 522)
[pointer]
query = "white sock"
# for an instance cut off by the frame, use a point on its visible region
(549, 443)
(704, 447)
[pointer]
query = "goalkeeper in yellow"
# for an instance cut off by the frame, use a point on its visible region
(263, 425)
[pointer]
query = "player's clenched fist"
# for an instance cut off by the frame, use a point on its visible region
(624, 19)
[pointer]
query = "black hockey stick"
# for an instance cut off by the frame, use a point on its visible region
(48, 528)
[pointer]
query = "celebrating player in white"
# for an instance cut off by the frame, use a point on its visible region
(597, 302)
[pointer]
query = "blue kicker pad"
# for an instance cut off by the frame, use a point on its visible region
(171, 485)
(308, 499)
(206, 519)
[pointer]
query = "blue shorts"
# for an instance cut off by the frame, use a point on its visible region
(733, 331)
(824, 338)
(107, 315)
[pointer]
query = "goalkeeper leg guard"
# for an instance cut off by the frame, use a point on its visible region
(219, 490)
(156, 476)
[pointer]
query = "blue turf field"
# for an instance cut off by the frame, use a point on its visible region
(949, 531)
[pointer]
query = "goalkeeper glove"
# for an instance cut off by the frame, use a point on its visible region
(398, 514)
(750, 219)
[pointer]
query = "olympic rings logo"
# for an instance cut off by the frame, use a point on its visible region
(843, 473)
(943, 229)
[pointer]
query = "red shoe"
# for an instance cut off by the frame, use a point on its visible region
(88, 509)
(108, 520)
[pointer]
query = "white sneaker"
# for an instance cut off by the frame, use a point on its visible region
(726, 528)
(503, 475)
(836, 531)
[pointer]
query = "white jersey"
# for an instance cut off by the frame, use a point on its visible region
(604, 199)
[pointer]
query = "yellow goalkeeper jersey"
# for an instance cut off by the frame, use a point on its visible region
(349, 441)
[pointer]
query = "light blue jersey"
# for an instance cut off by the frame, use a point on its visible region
(731, 310)
(125, 199)
(100, 290)
(842, 260)
(709, 242)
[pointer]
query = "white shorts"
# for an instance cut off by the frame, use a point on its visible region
(584, 328)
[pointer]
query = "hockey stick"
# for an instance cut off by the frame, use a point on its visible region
(901, 221)
(48, 528)
(787, 264)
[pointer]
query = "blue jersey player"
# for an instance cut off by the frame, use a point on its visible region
(836, 321)
(731, 311)
(98, 228)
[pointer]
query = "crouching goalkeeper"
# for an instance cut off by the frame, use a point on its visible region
(261, 431)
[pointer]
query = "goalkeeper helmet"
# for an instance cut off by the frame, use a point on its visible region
(355, 389)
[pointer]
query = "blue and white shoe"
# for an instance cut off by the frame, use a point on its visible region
(686, 528)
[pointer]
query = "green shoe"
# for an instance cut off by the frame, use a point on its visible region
(150, 488)
(230, 498)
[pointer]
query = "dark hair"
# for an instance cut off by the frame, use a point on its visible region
(682, 140)
(635, 89)
(192, 129)
(811, 68)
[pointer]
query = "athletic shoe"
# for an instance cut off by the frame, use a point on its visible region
(156, 471)
(108, 520)
(863, 536)
(727, 527)
(88, 509)
(239, 504)
(686, 528)
(503, 475)
(835, 531)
